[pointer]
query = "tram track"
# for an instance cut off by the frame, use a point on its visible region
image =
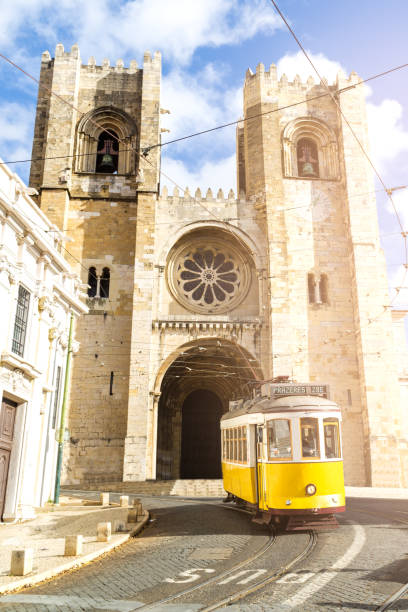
(222, 575)
(239, 594)
(211, 595)
(267, 580)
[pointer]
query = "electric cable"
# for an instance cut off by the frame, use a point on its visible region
(180, 188)
(388, 191)
(193, 135)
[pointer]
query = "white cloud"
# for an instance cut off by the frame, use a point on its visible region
(388, 138)
(197, 103)
(214, 174)
(292, 64)
(107, 29)
(16, 132)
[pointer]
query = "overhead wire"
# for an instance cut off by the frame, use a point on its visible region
(387, 190)
(146, 150)
(194, 134)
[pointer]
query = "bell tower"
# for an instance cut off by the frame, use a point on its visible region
(92, 125)
(329, 307)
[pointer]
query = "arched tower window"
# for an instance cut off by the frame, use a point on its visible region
(107, 156)
(307, 158)
(310, 150)
(92, 282)
(104, 283)
(106, 141)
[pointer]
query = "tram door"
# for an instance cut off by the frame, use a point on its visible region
(260, 466)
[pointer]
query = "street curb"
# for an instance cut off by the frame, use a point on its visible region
(75, 563)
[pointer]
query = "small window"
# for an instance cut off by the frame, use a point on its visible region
(307, 158)
(20, 321)
(107, 153)
(311, 287)
(279, 439)
(331, 438)
(92, 282)
(310, 437)
(324, 298)
(104, 283)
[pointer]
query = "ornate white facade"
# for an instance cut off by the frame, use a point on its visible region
(38, 293)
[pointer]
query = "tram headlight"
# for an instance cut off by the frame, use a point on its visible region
(310, 489)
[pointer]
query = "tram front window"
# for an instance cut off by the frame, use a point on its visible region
(331, 438)
(310, 437)
(279, 439)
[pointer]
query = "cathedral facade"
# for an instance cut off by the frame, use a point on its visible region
(195, 298)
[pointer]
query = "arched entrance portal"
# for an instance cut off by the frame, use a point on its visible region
(195, 392)
(200, 435)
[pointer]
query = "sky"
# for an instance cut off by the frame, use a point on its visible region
(207, 46)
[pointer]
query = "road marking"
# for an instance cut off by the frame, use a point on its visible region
(79, 603)
(296, 577)
(322, 578)
(255, 574)
(191, 577)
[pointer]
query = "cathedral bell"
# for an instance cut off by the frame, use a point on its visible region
(308, 170)
(107, 160)
(107, 164)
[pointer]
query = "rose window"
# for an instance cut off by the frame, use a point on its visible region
(209, 277)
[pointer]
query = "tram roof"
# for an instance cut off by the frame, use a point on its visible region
(282, 404)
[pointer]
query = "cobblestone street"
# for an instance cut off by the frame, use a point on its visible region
(190, 541)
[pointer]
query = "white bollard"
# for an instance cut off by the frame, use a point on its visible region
(104, 499)
(73, 545)
(132, 516)
(119, 525)
(103, 532)
(21, 562)
(124, 501)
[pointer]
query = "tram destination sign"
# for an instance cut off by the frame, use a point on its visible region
(281, 389)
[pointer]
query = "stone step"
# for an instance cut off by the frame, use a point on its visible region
(182, 488)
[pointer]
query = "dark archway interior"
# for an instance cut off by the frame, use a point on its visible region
(195, 392)
(200, 435)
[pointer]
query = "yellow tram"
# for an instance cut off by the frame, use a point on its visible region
(281, 455)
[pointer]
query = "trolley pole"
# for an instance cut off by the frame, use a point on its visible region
(63, 412)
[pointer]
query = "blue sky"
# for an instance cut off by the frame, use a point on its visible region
(207, 45)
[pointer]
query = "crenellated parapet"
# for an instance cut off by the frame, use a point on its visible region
(270, 78)
(189, 199)
(150, 62)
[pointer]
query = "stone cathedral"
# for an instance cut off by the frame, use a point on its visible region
(193, 298)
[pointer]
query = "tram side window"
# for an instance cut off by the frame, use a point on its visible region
(244, 444)
(310, 437)
(279, 439)
(331, 438)
(235, 445)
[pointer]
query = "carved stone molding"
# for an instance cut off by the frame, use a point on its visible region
(208, 326)
(16, 372)
(15, 380)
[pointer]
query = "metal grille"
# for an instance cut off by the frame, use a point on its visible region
(20, 323)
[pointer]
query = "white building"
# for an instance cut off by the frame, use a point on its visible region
(38, 293)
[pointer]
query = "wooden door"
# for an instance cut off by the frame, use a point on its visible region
(7, 419)
(201, 436)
